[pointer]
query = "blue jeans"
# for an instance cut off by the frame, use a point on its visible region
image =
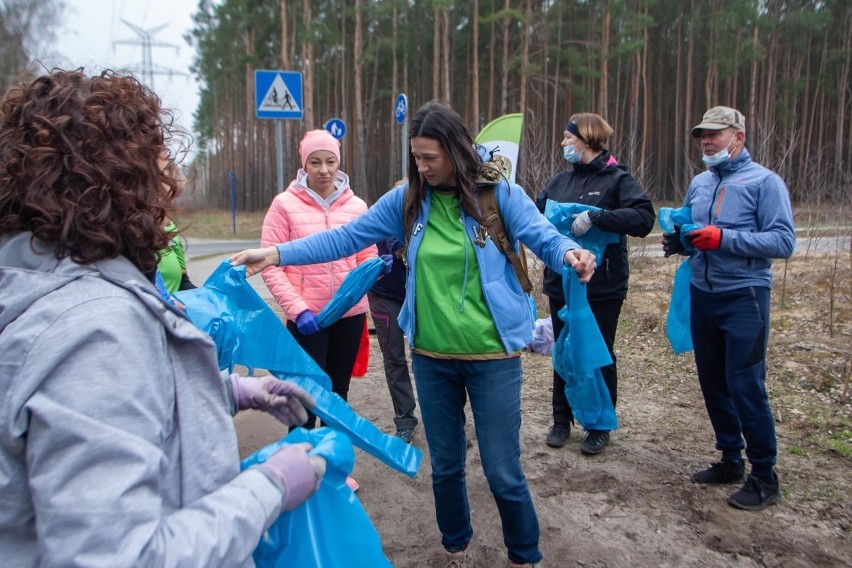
(729, 334)
(494, 389)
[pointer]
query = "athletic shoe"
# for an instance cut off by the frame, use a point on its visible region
(595, 442)
(460, 559)
(756, 494)
(558, 435)
(405, 434)
(721, 472)
(352, 484)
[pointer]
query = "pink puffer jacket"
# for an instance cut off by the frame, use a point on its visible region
(295, 214)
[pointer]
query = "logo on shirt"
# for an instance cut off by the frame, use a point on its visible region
(417, 228)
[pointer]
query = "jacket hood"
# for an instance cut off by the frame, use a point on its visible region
(602, 161)
(29, 270)
(300, 187)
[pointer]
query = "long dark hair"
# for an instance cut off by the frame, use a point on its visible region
(438, 121)
(84, 165)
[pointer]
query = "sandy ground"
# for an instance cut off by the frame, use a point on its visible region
(633, 505)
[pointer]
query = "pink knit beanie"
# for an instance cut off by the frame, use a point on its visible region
(318, 140)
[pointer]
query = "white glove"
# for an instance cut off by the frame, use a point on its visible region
(581, 224)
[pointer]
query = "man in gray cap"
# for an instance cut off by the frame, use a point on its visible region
(744, 220)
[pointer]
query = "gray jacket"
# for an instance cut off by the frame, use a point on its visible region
(117, 447)
(752, 207)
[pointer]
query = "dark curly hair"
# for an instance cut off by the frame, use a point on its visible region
(84, 165)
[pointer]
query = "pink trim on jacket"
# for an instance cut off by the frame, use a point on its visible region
(295, 214)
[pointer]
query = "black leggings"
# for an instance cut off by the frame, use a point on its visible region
(606, 314)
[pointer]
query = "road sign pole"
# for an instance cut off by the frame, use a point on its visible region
(405, 150)
(279, 154)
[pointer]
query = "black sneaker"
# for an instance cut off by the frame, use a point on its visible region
(595, 442)
(756, 494)
(721, 472)
(558, 435)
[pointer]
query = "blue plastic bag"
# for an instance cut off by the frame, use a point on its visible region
(562, 216)
(337, 414)
(247, 332)
(330, 529)
(578, 354)
(677, 319)
(352, 289)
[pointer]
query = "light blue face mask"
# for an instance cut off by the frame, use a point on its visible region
(719, 157)
(571, 154)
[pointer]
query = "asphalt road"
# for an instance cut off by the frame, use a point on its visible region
(204, 256)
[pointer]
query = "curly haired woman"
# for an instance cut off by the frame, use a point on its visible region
(117, 446)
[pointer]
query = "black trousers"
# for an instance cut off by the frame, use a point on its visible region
(606, 314)
(334, 349)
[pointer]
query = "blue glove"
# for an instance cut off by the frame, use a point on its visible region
(388, 260)
(307, 324)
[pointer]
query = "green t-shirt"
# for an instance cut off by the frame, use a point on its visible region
(172, 263)
(452, 316)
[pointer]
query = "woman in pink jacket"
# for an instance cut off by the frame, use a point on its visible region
(318, 199)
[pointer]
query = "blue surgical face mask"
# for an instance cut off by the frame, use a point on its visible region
(719, 157)
(571, 154)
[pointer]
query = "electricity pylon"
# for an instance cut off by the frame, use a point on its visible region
(147, 41)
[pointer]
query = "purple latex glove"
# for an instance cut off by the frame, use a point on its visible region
(388, 260)
(306, 323)
(284, 400)
(296, 473)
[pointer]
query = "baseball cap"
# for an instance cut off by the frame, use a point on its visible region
(718, 118)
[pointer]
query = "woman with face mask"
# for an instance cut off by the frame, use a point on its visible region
(595, 178)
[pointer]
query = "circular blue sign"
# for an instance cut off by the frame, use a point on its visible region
(401, 108)
(336, 127)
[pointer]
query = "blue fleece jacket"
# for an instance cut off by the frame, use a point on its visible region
(503, 294)
(752, 207)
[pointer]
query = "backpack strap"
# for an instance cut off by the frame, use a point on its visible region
(494, 223)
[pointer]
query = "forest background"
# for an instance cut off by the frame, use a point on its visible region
(651, 67)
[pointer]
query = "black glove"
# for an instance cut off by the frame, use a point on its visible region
(672, 243)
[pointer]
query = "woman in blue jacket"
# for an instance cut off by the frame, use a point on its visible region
(465, 316)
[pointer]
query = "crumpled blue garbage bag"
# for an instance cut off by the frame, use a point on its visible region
(562, 216)
(329, 530)
(246, 331)
(578, 354)
(677, 319)
(352, 289)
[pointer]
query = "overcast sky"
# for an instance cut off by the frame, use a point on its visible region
(89, 28)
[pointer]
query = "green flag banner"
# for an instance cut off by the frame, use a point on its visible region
(503, 134)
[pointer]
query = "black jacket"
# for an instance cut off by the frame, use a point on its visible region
(628, 211)
(391, 286)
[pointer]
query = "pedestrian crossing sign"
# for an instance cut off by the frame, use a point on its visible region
(278, 94)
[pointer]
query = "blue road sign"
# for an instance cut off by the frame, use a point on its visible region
(277, 94)
(336, 127)
(401, 108)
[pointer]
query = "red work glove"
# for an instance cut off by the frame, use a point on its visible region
(706, 238)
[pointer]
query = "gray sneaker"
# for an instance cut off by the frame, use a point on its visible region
(460, 559)
(405, 434)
